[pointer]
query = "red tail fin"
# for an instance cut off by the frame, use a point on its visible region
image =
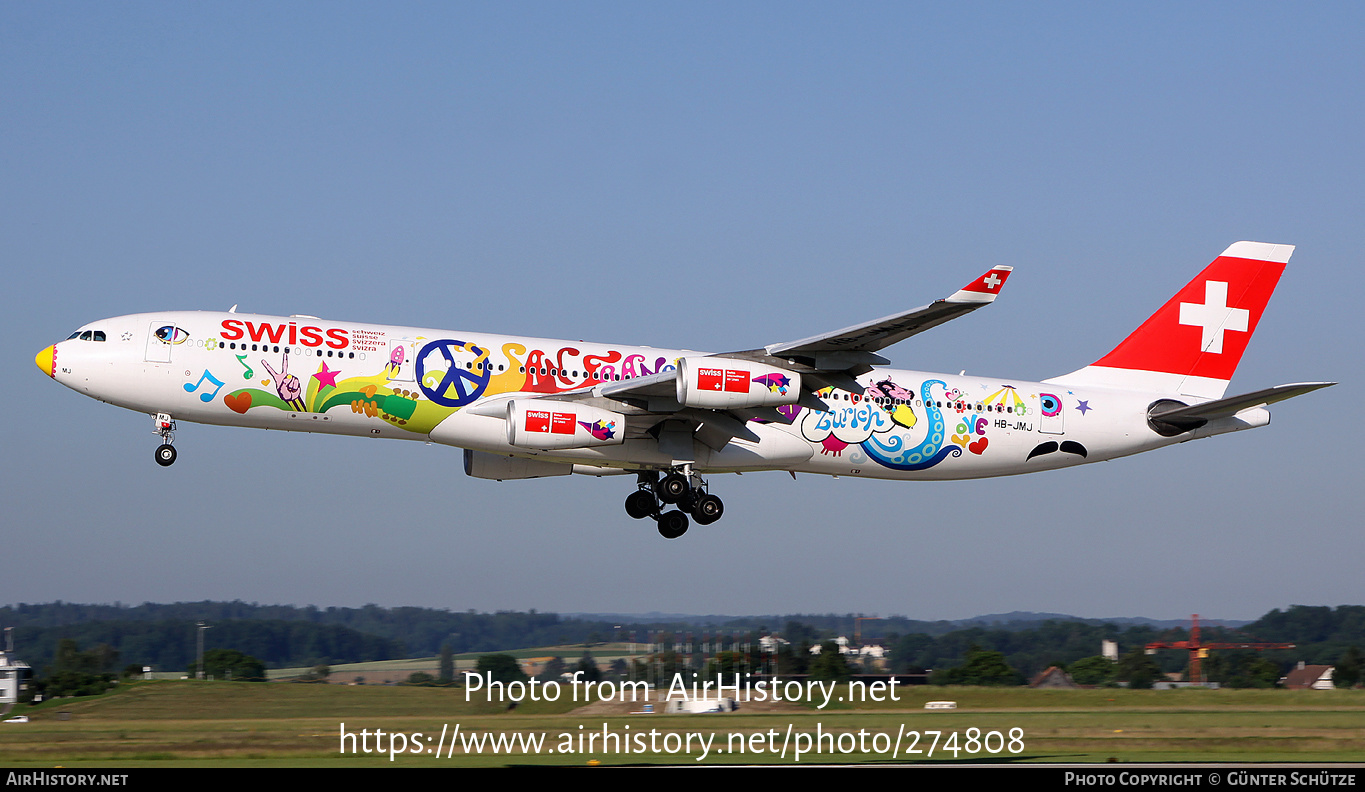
(1193, 344)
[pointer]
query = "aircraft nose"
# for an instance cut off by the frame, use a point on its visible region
(47, 361)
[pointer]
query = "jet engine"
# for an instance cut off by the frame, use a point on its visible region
(546, 424)
(719, 384)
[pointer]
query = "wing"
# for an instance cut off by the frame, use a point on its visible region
(829, 360)
(836, 358)
(881, 333)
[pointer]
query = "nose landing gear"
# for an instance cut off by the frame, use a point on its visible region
(165, 429)
(681, 487)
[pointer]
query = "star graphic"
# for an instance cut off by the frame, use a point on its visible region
(1083, 406)
(326, 377)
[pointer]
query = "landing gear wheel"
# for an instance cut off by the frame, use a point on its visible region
(641, 504)
(673, 488)
(707, 509)
(165, 455)
(672, 524)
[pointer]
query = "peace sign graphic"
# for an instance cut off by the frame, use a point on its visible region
(456, 386)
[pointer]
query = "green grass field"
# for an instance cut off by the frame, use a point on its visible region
(187, 723)
(603, 654)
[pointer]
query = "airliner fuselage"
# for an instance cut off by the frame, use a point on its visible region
(532, 407)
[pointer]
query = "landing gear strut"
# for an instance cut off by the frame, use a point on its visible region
(681, 487)
(165, 428)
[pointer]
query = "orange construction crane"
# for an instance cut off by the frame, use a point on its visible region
(1199, 651)
(858, 628)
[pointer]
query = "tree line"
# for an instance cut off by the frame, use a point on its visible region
(163, 636)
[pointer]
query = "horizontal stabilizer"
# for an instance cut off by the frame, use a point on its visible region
(1197, 415)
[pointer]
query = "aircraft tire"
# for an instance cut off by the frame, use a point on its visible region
(165, 455)
(707, 509)
(672, 524)
(673, 488)
(640, 504)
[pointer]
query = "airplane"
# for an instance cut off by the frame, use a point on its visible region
(524, 408)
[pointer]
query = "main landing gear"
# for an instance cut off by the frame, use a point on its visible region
(165, 428)
(681, 487)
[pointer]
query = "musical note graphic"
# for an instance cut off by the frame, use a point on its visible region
(248, 374)
(205, 397)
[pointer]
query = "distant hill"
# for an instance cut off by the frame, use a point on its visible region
(1017, 620)
(1027, 617)
(162, 635)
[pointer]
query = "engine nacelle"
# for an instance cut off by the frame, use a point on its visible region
(546, 424)
(481, 464)
(719, 384)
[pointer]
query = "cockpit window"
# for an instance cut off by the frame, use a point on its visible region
(73, 335)
(85, 336)
(99, 335)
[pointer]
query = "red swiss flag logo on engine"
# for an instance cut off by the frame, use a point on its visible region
(552, 423)
(736, 381)
(537, 421)
(562, 423)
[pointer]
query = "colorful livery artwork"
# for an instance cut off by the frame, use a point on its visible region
(527, 407)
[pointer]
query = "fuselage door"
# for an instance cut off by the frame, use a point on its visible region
(161, 336)
(1050, 414)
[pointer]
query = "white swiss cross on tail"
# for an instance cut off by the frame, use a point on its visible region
(1214, 316)
(1194, 343)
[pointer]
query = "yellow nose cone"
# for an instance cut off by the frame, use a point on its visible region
(47, 361)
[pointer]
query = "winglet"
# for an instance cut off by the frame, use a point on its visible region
(984, 288)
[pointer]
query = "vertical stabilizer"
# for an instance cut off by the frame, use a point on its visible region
(1192, 345)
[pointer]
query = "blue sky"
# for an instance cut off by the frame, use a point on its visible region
(710, 176)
